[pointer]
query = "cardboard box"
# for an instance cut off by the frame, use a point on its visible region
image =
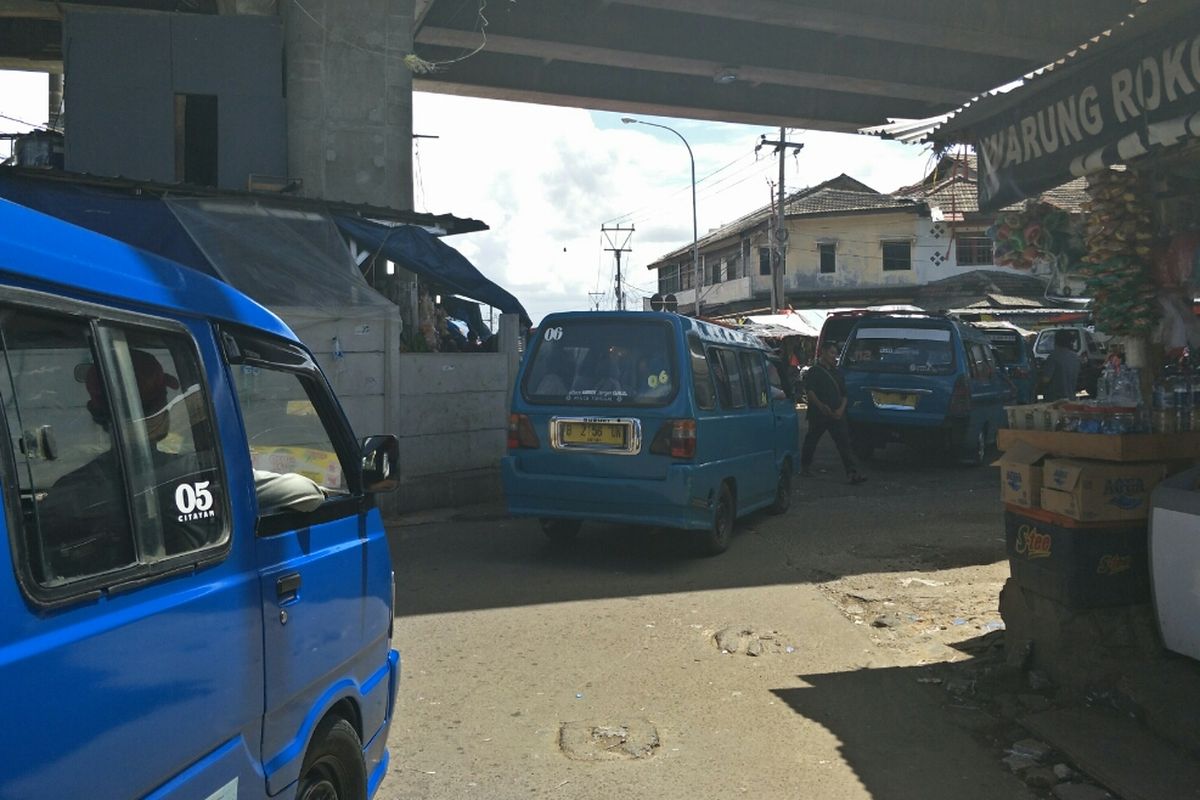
(1078, 565)
(1094, 491)
(1107, 447)
(1021, 475)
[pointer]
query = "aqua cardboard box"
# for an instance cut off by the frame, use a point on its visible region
(1095, 491)
(1021, 475)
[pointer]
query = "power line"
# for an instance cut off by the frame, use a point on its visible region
(658, 204)
(23, 122)
(617, 246)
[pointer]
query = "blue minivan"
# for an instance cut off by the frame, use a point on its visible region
(923, 379)
(196, 592)
(648, 418)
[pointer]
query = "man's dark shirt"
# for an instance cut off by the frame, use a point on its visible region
(827, 384)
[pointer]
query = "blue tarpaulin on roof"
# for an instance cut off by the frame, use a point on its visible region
(141, 220)
(419, 251)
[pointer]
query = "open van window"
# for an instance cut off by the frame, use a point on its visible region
(602, 362)
(921, 350)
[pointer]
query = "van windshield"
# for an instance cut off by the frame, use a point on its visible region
(924, 351)
(602, 362)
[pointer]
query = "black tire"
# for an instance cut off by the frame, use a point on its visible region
(720, 532)
(333, 767)
(561, 531)
(978, 452)
(783, 491)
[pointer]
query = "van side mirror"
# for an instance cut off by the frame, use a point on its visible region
(381, 463)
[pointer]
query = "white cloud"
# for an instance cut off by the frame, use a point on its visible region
(545, 179)
(24, 104)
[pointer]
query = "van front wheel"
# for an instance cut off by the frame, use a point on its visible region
(334, 768)
(721, 531)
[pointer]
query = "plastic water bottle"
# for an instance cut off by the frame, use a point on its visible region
(1181, 389)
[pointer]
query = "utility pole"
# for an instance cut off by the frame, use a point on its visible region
(616, 248)
(594, 300)
(779, 246)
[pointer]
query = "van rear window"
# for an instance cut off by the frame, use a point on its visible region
(602, 362)
(925, 351)
(1008, 347)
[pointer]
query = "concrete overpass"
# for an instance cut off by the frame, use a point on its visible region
(826, 64)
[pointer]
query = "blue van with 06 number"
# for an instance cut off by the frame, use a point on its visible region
(923, 379)
(196, 590)
(648, 418)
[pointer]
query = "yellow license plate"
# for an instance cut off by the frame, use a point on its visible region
(894, 399)
(604, 433)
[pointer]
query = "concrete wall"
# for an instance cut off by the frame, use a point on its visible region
(123, 70)
(453, 416)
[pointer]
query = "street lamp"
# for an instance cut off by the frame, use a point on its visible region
(695, 237)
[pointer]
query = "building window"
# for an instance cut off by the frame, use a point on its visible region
(196, 134)
(714, 271)
(973, 251)
(828, 251)
(764, 261)
(668, 279)
(687, 276)
(897, 256)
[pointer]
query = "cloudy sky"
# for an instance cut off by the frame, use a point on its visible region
(545, 180)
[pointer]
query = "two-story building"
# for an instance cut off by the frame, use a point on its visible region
(848, 245)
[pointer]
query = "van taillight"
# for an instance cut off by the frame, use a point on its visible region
(520, 433)
(960, 398)
(676, 438)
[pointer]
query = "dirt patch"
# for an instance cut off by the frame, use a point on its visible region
(920, 616)
(586, 741)
(747, 641)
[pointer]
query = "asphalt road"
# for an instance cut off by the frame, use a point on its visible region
(595, 671)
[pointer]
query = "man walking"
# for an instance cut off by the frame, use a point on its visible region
(826, 392)
(1062, 367)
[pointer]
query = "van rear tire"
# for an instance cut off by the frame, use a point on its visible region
(333, 767)
(783, 491)
(977, 455)
(720, 532)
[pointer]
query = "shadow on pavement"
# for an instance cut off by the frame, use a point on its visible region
(902, 743)
(915, 513)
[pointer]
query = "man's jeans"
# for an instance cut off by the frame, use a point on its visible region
(817, 426)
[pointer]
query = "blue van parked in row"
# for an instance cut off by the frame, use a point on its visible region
(196, 590)
(923, 378)
(648, 418)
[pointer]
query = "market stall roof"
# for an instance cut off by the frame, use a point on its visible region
(147, 216)
(1122, 94)
(795, 323)
(416, 250)
(70, 192)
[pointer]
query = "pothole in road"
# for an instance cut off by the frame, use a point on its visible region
(587, 741)
(747, 641)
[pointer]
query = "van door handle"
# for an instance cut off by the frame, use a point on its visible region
(287, 587)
